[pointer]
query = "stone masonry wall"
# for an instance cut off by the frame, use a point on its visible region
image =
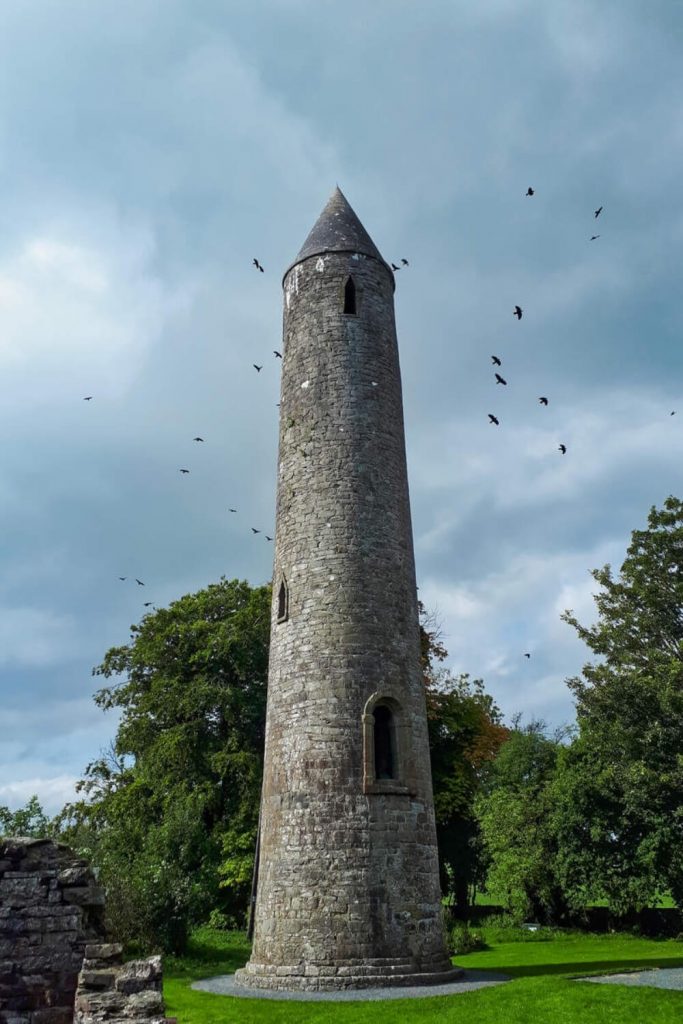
(50, 907)
(53, 967)
(110, 992)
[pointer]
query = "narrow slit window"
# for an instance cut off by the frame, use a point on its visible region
(350, 296)
(282, 602)
(385, 753)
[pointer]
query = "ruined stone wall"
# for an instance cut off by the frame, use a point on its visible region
(50, 907)
(54, 969)
(110, 992)
(348, 890)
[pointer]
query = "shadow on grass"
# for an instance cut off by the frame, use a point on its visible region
(576, 968)
(209, 953)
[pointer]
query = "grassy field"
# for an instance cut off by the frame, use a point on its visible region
(492, 899)
(542, 990)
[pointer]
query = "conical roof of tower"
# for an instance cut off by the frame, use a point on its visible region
(338, 229)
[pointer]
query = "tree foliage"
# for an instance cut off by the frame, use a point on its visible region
(185, 768)
(622, 792)
(516, 819)
(465, 733)
(29, 820)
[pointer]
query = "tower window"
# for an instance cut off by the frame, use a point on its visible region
(385, 754)
(350, 297)
(387, 763)
(283, 601)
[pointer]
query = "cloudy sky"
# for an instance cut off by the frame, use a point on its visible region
(149, 149)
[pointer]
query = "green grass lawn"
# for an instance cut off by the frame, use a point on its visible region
(541, 989)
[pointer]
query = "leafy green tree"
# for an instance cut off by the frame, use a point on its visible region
(184, 771)
(621, 799)
(26, 821)
(465, 733)
(516, 819)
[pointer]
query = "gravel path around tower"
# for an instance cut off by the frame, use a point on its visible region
(224, 985)
(664, 977)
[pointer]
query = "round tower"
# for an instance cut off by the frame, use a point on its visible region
(348, 884)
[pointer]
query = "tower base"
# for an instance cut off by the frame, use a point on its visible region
(370, 973)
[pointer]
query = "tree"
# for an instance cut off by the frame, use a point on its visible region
(185, 768)
(516, 819)
(622, 793)
(26, 821)
(465, 733)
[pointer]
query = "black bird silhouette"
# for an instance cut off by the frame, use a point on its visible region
(530, 191)
(500, 380)
(527, 655)
(405, 262)
(253, 530)
(394, 267)
(88, 398)
(257, 265)
(123, 578)
(493, 419)
(673, 413)
(593, 237)
(197, 438)
(232, 510)
(563, 449)
(518, 312)
(147, 604)
(139, 582)
(183, 471)
(598, 211)
(267, 537)
(495, 360)
(257, 368)
(543, 400)
(276, 353)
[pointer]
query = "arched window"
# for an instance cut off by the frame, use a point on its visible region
(387, 761)
(385, 743)
(350, 296)
(283, 601)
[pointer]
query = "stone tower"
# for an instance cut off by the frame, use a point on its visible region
(348, 888)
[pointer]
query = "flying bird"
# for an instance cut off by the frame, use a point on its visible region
(88, 398)
(563, 449)
(492, 419)
(254, 530)
(394, 267)
(147, 604)
(518, 312)
(257, 265)
(673, 413)
(123, 578)
(257, 368)
(404, 262)
(276, 353)
(543, 400)
(232, 510)
(495, 360)
(139, 582)
(530, 191)
(527, 655)
(183, 471)
(500, 380)
(267, 537)
(197, 438)
(598, 211)
(593, 237)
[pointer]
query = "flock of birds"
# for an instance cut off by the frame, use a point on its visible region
(518, 312)
(200, 440)
(493, 419)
